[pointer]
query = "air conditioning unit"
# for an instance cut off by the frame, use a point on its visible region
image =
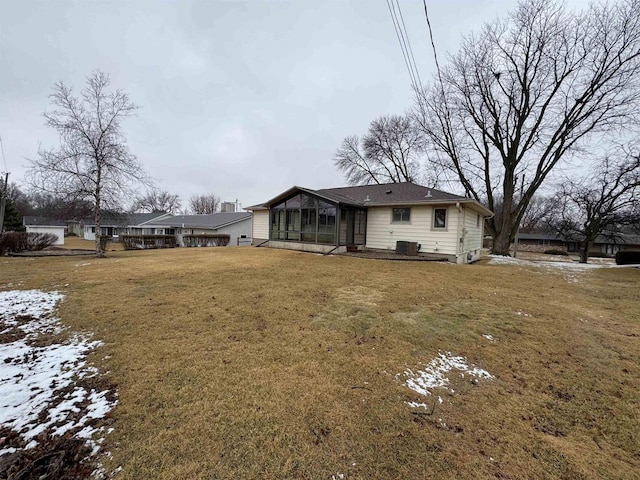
(407, 248)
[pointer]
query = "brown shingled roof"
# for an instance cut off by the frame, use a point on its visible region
(404, 193)
(392, 193)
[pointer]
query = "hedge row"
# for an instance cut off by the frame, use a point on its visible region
(628, 257)
(14, 242)
(143, 242)
(206, 240)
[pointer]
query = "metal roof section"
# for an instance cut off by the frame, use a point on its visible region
(125, 219)
(211, 221)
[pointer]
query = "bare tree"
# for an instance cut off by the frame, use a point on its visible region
(157, 201)
(17, 197)
(537, 216)
(390, 152)
(526, 93)
(204, 204)
(604, 202)
(52, 206)
(93, 162)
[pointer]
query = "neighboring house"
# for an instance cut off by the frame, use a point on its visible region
(372, 217)
(235, 224)
(612, 244)
(116, 225)
(540, 242)
(46, 225)
(604, 244)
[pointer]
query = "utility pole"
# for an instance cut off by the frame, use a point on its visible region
(516, 239)
(3, 202)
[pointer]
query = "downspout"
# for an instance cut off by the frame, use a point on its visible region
(458, 231)
(332, 250)
(260, 244)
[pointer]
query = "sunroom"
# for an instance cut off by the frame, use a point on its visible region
(313, 222)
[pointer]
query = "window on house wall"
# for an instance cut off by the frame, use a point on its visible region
(440, 218)
(401, 215)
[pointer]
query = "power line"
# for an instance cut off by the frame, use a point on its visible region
(433, 46)
(403, 40)
(409, 43)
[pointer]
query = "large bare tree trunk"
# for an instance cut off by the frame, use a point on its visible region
(501, 243)
(98, 211)
(584, 252)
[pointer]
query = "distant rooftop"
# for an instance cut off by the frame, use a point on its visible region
(213, 220)
(32, 221)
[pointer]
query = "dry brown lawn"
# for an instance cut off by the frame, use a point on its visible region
(259, 363)
(73, 242)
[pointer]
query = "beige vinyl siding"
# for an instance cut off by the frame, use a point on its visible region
(260, 224)
(383, 234)
(473, 233)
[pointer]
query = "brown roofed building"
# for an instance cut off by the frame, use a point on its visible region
(377, 217)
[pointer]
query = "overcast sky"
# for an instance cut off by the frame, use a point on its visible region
(242, 99)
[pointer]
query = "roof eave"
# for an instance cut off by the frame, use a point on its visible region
(473, 202)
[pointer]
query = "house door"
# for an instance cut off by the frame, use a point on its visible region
(351, 221)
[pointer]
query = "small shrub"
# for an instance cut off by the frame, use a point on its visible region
(40, 241)
(599, 255)
(628, 257)
(104, 239)
(556, 252)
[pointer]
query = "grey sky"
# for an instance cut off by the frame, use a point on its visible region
(244, 99)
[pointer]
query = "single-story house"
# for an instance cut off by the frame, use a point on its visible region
(235, 224)
(612, 244)
(372, 217)
(604, 244)
(114, 225)
(542, 241)
(46, 225)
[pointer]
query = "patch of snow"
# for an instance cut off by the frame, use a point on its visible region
(417, 405)
(489, 337)
(570, 269)
(434, 374)
(38, 383)
(35, 303)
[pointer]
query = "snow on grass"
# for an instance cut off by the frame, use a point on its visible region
(46, 386)
(435, 373)
(33, 303)
(570, 270)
